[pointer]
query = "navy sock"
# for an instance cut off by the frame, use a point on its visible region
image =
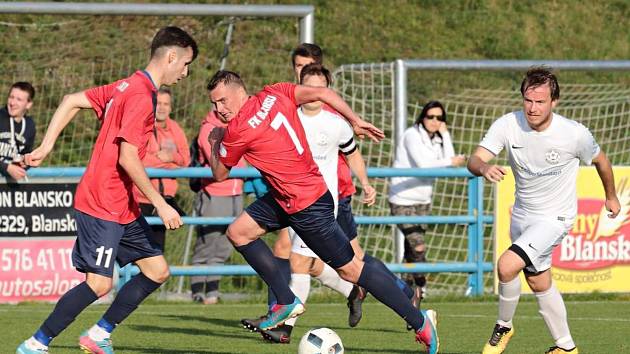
(402, 285)
(259, 256)
(285, 268)
(385, 290)
(67, 309)
(129, 297)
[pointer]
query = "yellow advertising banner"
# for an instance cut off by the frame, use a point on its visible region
(595, 255)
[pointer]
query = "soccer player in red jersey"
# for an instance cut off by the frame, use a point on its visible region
(109, 225)
(266, 131)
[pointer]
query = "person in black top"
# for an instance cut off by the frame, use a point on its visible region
(17, 130)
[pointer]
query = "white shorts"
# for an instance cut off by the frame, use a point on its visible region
(298, 246)
(537, 236)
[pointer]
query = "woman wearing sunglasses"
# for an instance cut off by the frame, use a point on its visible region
(426, 144)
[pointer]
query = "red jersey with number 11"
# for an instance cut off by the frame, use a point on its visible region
(269, 134)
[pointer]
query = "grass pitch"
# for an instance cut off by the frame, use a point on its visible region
(597, 326)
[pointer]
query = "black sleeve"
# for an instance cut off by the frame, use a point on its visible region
(3, 169)
(29, 136)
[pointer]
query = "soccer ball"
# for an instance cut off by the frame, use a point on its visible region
(320, 341)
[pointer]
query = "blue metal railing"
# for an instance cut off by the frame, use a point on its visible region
(475, 219)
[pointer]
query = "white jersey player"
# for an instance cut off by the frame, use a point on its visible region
(544, 151)
(327, 133)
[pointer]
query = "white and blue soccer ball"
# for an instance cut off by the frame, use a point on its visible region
(320, 341)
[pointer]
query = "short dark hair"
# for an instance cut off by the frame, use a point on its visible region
(26, 87)
(316, 70)
(173, 36)
(539, 75)
(308, 50)
(165, 90)
(225, 77)
(427, 107)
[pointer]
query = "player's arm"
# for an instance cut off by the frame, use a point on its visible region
(130, 161)
(305, 94)
(605, 171)
(220, 172)
(357, 166)
(479, 165)
(66, 111)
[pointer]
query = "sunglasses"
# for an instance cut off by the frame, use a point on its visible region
(440, 117)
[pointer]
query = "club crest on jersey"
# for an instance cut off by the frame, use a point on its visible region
(322, 139)
(222, 151)
(265, 107)
(122, 86)
(552, 157)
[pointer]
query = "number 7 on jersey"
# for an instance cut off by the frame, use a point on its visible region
(280, 120)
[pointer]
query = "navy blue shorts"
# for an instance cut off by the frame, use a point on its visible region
(315, 225)
(101, 243)
(345, 219)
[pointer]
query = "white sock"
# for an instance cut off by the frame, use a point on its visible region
(34, 344)
(509, 294)
(97, 333)
(551, 307)
(301, 287)
(331, 279)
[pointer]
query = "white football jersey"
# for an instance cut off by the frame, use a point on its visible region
(327, 133)
(545, 164)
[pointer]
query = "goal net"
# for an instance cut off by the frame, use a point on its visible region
(603, 108)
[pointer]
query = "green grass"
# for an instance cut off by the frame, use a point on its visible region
(598, 326)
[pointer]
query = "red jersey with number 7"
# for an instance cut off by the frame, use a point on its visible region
(268, 133)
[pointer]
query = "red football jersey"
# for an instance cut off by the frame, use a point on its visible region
(125, 109)
(344, 175)
(269, 134)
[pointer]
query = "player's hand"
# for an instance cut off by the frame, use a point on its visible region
(493, 173)
(36, 157)
(613, 206)
(165, 156)
(16, 171)
(169, 216)
(458, 160)
(362, 129)
(369, 195)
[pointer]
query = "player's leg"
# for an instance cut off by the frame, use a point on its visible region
(282, 252)
(509, 265)
(317, 228)
(552, 308)
(301, 286)
(244, 233)
(94, 253)
(549, 234)
(135, 246)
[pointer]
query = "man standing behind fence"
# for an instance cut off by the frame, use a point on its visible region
(544, 152)
(17, 130)
(167, 148)
(110, 228)
(215, 199)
